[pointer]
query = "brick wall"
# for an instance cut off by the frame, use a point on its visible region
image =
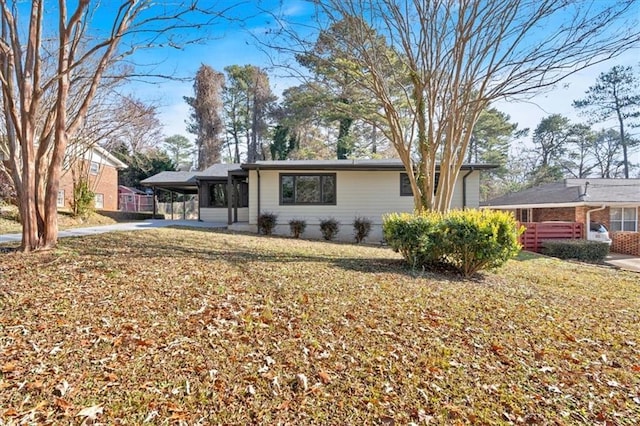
(105, 183)
(625, 242)
(601, 216)
(567, 214)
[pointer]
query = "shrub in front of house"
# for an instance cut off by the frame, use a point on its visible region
(474, 240)
(329, 228)
(82, 203)
(267, 223)
(415, 237)
(361, 228)
(468, 240)
(584, 250)
(297, 227)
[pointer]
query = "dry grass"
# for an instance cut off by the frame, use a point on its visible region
(10, 224)
(195, 327)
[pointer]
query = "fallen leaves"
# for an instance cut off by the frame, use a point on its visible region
(178, 326)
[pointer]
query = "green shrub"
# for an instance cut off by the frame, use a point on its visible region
(474, 240)
(297, 227)
(361, 228)
(82, 203)
(329, 228)
(469, 240)
(267, 223)
(584, 250)
(415, 237)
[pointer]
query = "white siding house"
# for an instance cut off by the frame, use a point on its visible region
(309, 190)
(363, 188)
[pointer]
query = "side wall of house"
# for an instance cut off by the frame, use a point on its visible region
(369, 194)
(209, 214)
(105, 183)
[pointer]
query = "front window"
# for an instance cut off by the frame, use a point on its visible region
(218, 195)
(405, 185)
(308, 189)
(623, 219)
(60, 199)
(524, 215)
(99, 201)
(94, 168)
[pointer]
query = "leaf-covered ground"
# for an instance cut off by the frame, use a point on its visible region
(195, 327)
(10, 224)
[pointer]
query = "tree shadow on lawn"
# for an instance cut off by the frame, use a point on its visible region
(240, 255)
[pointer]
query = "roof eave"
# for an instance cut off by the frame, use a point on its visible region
(350, 167)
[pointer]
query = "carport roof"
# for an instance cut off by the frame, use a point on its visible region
(187, 181)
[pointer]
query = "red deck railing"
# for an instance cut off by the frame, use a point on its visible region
(537, 232)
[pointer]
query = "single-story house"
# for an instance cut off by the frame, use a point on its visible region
(309, 190)
(612, 202)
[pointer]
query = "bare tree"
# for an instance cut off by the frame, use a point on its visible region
(124, 121)
(36, 148)
(451, 59)
(206, 122)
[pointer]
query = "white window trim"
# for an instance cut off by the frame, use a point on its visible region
(97, 168)
(58, 199)
(622, 221)
(98, 205)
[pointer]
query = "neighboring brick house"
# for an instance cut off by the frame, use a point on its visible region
(101, 168)
(612, 202)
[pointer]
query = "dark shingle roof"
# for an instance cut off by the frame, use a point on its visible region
(189, 178)
(572, 191)
(170, 177)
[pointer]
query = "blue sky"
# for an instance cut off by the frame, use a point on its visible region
(234, 43)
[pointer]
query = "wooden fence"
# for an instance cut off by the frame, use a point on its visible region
(537, 232)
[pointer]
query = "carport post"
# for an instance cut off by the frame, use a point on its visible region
(155, 209)
(229, 197)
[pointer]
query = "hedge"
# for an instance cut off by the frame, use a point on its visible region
(585, 250)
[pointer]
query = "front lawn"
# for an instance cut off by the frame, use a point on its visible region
(202, 327)
(10, 224)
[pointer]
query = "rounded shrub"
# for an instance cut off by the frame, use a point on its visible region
(479, 239)
(267, 223)
(469, 240)
(361, 228)
(329, 228)
(297, 227)
(414, 236)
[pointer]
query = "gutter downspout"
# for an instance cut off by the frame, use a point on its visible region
(588, 224)
(258, 174)
(464, 188)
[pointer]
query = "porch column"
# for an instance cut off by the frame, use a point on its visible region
(155, 209)
(229, 198)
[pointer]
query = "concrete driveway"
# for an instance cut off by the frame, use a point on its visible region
(125, 226)
(624, 261)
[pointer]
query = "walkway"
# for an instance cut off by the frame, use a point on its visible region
(624, 261)
(125, 226)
